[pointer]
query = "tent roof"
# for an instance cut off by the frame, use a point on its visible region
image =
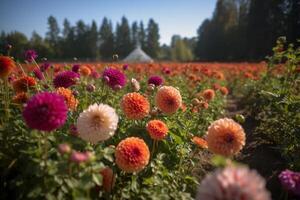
(138, 55)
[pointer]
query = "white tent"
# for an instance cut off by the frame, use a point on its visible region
(138, 55)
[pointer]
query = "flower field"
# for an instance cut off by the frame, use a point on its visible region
(150, 131)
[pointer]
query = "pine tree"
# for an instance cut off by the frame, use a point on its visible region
(123, 42)
(142, 35)
(106, 48)
(52, 36)
(134, 34)
(152, 45)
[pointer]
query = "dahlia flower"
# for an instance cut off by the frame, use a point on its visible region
(85, 71)
(114, 77)
(44, 66)
(45, 111)
(208, 94)
(75, 68)
(30, 55)
(135, 106)
(224, 90)
(233, 183)
(6, 66)
(290, 181)
(155, 80)
(65, 79)
(132, 154)
(225, 137)
(70, 100)
(157, 129)
(23, 83)
(97, 123)
(168, 99)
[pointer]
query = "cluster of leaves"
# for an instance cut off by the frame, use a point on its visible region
(33, 168)
(274, 101)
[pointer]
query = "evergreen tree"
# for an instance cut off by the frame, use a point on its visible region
(142, 36)
(52, 36)
(134, 34)
(92, 41)
(152, 45)
(123, 42)
(106, 40)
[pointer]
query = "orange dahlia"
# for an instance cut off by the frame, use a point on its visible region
(6, 66)
(70, 100)
(208, 94)
(23, 84)
(132, 154)
(85, 71)
(200, 142)
(135, 106)
(157, 129)
(20, 98)
(168, 99)
(108, 179)
(225, 137)
(224, 90)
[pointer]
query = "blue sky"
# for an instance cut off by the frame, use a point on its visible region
(181, 17)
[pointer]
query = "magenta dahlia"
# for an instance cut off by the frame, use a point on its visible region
(75, 68)
(30, 55)
(155, 80)
(290, 181)
(65, 79)
(45, 111)
(114, 78)
(45, 66)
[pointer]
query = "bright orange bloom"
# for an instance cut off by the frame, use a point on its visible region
(6, 66)
(20, 98)
(224, 90)
(200, 142)
(132, 154)
(135, 106)
(157, 129)
(108, 179)
(225, 137)
(168, 99)
(208, 94)
(85, 71)
(23, 84)
(70, 100)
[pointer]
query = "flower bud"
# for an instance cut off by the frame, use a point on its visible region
(64, 148)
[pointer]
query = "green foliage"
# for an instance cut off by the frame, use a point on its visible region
(275, 102)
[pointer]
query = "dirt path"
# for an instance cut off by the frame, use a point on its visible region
(258, 153)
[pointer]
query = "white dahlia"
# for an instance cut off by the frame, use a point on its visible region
(97, 123)
(233, 183)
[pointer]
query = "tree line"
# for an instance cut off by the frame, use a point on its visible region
(87, 40)
(238, 30)
(247, 29)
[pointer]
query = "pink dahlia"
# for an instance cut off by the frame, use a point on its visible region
(233, 183)
(45, 111)
(65, 79)
(114, 78)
